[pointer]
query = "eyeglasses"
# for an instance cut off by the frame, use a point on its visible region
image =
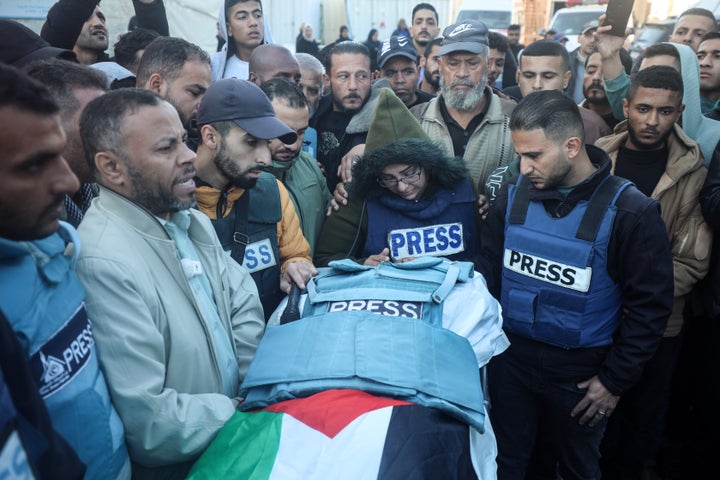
(408, 179)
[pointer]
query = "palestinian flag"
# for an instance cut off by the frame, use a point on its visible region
(346, 434)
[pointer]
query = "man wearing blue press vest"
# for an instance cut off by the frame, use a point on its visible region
(581, 263)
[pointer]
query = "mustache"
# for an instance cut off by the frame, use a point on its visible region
(352, 95)
(465, 83)
(597, 85)
(289, 151)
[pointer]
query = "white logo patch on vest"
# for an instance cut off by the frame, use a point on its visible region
(259, 256)
(390, 308)
(64, 355)
(435, 240)
(549, 271)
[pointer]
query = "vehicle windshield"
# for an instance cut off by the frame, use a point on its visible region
(571, 23)
(495, 20)
(651, 35)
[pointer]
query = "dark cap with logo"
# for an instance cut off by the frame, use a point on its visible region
(396, 46)
(245, 104)
(466, 36)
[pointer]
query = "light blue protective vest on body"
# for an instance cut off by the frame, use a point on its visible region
(376, 329)
(555, 284)
(43, 300)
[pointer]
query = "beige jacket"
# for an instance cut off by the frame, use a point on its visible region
(678, 193)
(154, 346)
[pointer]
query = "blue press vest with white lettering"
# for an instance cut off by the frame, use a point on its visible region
(555, 284)
(44, 302)
(262, 259)
(427, 227)
(377, 329)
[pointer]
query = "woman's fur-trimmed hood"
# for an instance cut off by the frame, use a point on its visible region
(442, 170)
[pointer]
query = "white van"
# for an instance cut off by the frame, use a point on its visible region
(496, 14)
(571, 20)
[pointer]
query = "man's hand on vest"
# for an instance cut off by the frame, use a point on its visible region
(298, 272)
(377, 259)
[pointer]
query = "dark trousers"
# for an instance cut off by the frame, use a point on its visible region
(634, 429)
(533, 389)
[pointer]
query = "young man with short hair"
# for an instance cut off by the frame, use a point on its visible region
(295, 168)
(586, 39)
(425, 26)
(545, 65)
(242, 24)
(343, 115)
(513, 35)
(250, 209)
(73, 86)
(398, 65)
(691, 25)
(708, 54)
(40, 293)
(581, 326)
(178, 71)
(430, 67)
(651, 150)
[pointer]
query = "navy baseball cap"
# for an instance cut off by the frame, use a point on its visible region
(396, 46)
(245, 104)
(466, 36)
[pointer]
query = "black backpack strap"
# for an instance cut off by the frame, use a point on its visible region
(240, 239)
(519, 207)
(599, 203)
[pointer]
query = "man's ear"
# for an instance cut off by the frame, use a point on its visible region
(156, 83)
(209, 137)
(253, 78)
(566, 79)
(626, 107)
(112, 169)
(573, 146)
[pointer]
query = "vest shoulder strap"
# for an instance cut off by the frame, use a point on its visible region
(604, 196)
(518, 210)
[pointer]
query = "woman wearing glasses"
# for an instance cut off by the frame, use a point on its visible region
(407, 198)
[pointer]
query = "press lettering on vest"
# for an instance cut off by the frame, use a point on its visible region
(436, 240)
(13, 459)
(390, 308)
(259, 256)
(64, 355)
(539, 268)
